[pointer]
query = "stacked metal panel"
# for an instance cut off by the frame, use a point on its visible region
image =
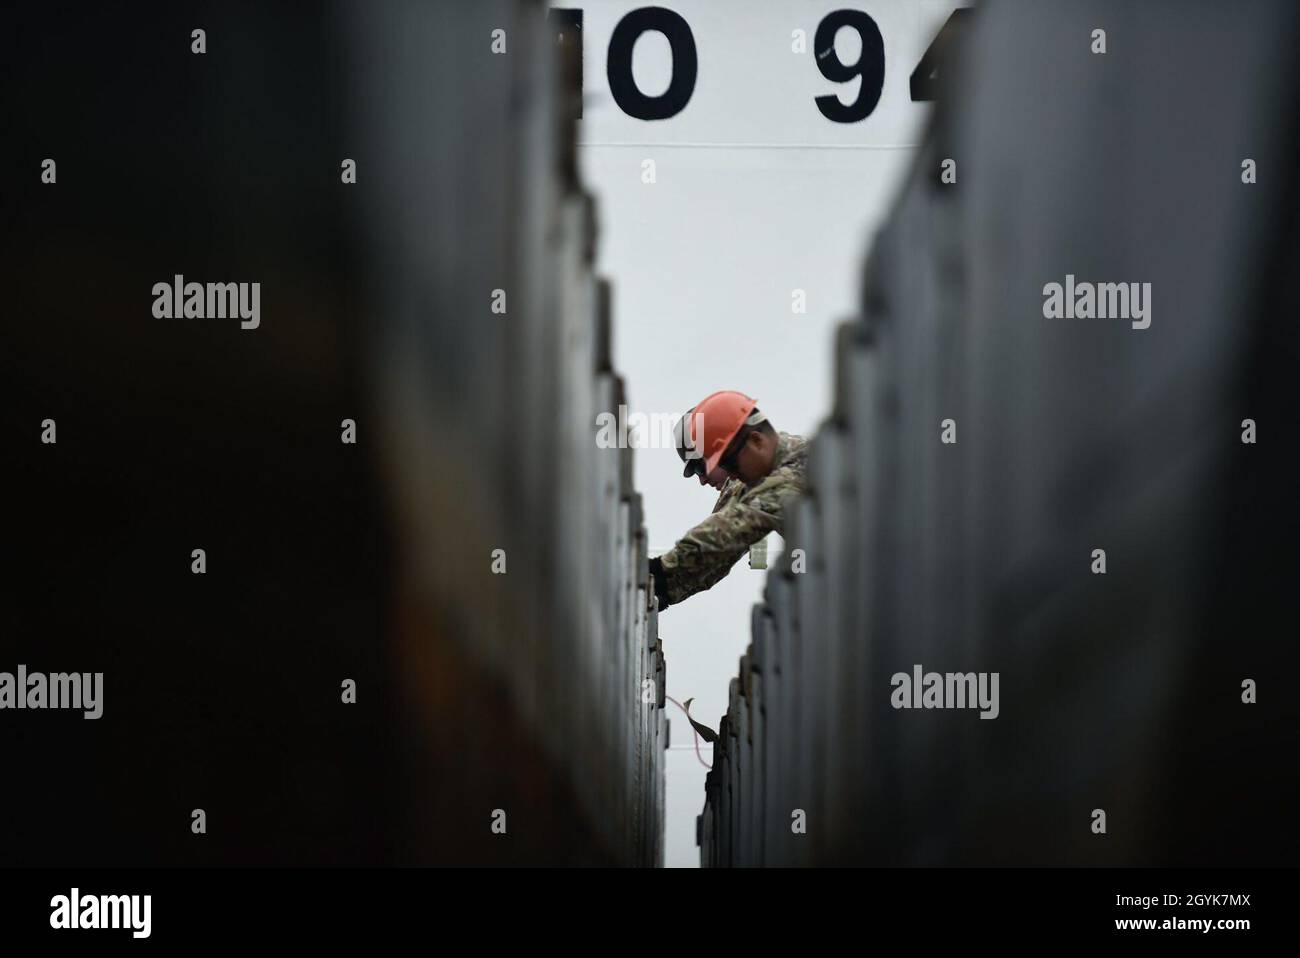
(474, 563)
(1131, 725)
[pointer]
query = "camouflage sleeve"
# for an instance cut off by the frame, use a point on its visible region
(703, 556)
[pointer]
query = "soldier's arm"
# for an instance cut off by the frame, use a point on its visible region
(703, 556)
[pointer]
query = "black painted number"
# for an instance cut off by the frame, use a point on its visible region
(926, 77)
(619, 64)
(870, 65)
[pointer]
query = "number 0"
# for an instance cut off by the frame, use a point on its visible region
(619, 64)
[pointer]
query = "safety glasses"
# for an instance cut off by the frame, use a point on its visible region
(728, 460)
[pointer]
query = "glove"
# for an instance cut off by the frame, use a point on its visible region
(661, 582)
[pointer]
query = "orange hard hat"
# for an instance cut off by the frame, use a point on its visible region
(719, 416)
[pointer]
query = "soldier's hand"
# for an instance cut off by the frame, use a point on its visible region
(661, 582)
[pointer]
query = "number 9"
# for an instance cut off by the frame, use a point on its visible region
(870, 65)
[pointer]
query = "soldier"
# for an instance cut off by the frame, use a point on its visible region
(728, 444)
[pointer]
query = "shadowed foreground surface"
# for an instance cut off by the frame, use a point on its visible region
(473, 562)
(1120, 692)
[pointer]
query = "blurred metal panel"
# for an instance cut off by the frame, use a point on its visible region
(475, 561)
(1119, 691)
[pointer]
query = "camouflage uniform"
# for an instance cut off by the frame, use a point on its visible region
(742, 516)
